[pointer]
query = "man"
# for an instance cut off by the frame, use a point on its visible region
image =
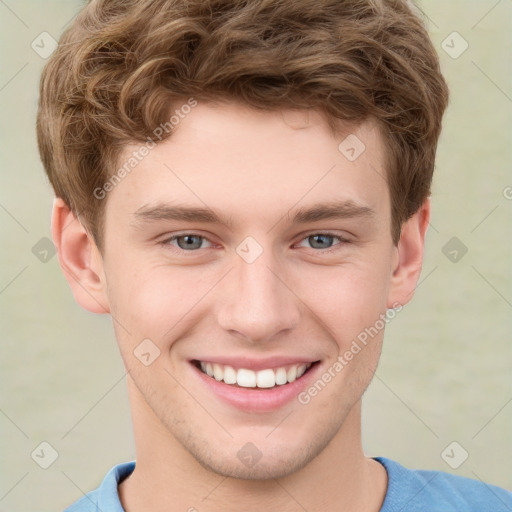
(244, 187)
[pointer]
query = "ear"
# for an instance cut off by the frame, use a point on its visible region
(79, 259)
(408, 258)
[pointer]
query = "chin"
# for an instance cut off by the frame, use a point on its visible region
(262, 470)
(264, 459)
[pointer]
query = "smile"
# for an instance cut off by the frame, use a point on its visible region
(246, 378)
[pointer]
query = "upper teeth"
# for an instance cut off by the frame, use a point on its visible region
(245, 378)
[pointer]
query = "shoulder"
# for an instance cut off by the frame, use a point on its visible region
(436, 491)
(105, 498)
(87, 503)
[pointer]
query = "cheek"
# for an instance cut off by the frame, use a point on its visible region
(346, 299)
(158, 302)
(152, 299)
(144, 305)
(141, 291)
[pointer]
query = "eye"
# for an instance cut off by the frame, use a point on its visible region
(186, 241)
(323, 241)
(192, 241)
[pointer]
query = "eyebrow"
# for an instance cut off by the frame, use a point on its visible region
(314, 213)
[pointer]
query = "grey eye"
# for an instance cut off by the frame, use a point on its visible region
(321, 241)
(188, 242)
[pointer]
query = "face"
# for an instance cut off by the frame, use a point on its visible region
(249, 246)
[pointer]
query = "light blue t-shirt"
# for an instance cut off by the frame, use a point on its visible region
(408, 491)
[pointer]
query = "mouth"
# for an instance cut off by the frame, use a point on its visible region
(266, 378)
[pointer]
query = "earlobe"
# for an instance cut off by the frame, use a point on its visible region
(79, 259)
(407, 266)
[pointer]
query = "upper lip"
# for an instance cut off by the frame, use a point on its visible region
(256, 364)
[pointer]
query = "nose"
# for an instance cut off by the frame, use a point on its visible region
(257, 302)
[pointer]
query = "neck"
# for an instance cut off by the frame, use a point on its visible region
(168, 478)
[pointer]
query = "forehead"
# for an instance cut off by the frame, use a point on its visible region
(256, 164)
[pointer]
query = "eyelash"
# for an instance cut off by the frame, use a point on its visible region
(343, 241)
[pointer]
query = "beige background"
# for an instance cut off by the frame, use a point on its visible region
(446, 366)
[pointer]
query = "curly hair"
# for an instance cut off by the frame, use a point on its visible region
(122, 65)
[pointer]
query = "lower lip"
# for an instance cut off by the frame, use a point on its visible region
(255, 399)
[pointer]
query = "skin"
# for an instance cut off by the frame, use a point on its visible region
(256, 168)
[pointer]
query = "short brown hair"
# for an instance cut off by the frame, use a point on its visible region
(122, 66)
